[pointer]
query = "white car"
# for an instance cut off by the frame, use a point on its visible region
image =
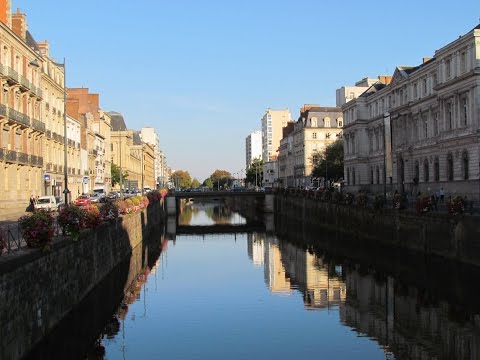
(46, 203)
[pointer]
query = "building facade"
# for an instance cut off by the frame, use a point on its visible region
(273, 121)
(149, 136)
(316, 128)
(419, 132)
(253, 147)
(21, 126)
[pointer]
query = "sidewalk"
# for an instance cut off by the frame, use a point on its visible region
(9, 215)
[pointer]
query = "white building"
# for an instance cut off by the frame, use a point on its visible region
(253, 147)
(272, 124)
(419, 132)
(270, 174)
(347, 93)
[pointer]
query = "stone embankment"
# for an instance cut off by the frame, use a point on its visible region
(37, 289)
(453, 237)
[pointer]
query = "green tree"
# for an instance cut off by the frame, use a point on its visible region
(329, 163)
(254, 174)
(181, 179)
(115, 174)
(208, 183)
(195, 183)
(220, 178)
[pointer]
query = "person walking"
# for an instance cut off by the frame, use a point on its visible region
(442, 194)
(32, 204)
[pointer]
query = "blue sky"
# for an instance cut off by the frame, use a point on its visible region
(204, 72)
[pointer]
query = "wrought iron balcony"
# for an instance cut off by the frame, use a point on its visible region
(22, 158)
(2, 153)
(18, 117)
(49, 134)
(38, 125)
(49, 167)
(25, 83)
(12, 74)
(3, 110)
(55, 168)
(36, 160)
(11, 156)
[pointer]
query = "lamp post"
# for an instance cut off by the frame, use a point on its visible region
(65, 149)
(120, 158)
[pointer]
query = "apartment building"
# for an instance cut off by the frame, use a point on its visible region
(149, 136)
(419, 131)
(273, 121)
(316, 128)
(21, 126)
(253, 147)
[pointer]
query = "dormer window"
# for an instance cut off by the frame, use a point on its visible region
(326, 122)
(314, 121)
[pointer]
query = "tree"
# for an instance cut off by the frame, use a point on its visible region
(195, 183)
(208, 183)
(254, 174)
(220, 178)
(115, 174)
(329, 163)
(181, 179)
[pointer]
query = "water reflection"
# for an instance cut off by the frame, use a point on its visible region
(208, 213)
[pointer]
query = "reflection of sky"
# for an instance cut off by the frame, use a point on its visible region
(206, 300)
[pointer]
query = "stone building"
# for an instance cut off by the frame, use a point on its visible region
(285, 158)
(21, 126)
(419, 132)
(316, 128)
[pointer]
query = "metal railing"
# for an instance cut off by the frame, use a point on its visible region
(22, 158)
(11, 156)
(38, 125)
(12, 74)
(18, 117)
(2, 153)
(36, 160)
(25, 83)
(3, 110)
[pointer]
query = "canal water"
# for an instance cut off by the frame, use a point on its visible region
(260, 296)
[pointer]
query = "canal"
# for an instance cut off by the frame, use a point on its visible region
(264, 296)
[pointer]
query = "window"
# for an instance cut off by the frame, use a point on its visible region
(327, 136)
(353, 176)
(463, 62)
(426, 173)
(465, 166)
(348, 176)
(449, 116)
(378, 175)
(416, 173)
(326, 122)
(340, 122)
(425, 90)
(415, 91)
(371, 175)
(448, 68)
(465, 110)
(314, 122)
(314, 135)
(435, 124)
(425, 128)
(436, 170)
(450, 167)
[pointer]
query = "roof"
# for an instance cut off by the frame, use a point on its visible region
(137, 140)
(117, 121)
(31, 43)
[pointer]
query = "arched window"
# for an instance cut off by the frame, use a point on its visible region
(314, 121)
(436, 170)
(465, 167)
(326, 122)
(450, 167)
(348, 176)
(426, 171)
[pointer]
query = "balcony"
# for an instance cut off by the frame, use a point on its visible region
(49, 134)
(22, 158)
(49, 167)
(19, 118)
(36, 160)
(55, 168)
(11, 156)
(24, 84)
(2, 153)
(12, 75)
(38, 125)
(36, 91)
(3, 110)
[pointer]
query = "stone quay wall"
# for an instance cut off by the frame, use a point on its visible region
(456, 238)
(39, 288)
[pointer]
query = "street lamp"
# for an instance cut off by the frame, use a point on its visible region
(65, 149)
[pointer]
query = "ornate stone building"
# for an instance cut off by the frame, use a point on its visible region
(419, 131)
(21, 127)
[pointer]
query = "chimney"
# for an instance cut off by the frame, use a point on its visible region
(385, 79)
(44, 47)
(19, 24)
(6, 12)
(426, 59)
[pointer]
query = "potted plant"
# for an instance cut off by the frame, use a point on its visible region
(423, 203)
(362, 200)
(3, 242)
(37, 229)
(92, 216)
(378, 201)
(456, 205)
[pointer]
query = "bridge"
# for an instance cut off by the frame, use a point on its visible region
(219, 229)
(174, 199)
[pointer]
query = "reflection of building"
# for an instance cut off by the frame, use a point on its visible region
(275, 275)
(408, 321)
(256, 248)
(320, 284)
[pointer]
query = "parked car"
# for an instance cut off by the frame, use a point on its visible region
(46, 203)
(112, 195)
(82, 200)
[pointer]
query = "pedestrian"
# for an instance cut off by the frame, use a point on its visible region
(433, 201)
(442, 194)
(32, 204)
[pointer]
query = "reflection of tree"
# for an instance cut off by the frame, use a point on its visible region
(112, 327)
(220, 214)
(186, 215)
